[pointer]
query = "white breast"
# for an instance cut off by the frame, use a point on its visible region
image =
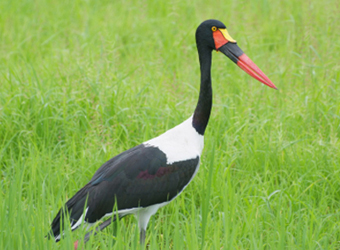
(179, 143)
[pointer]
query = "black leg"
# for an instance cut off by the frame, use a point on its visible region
(98, 229)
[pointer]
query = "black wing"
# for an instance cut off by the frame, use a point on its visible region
(138, 177)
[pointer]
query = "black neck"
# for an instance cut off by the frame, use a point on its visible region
(203, 108)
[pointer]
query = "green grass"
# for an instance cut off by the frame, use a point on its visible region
(81, 81)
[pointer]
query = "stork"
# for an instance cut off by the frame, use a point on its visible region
(148, 176)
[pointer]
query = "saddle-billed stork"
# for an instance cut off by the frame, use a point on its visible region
(145, 178)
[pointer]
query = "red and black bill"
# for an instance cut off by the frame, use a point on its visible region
(228, 46)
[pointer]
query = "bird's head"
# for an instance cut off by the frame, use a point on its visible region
(213, 35)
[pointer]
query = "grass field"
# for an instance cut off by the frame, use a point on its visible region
(83, 80)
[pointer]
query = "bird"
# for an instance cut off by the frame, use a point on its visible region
(148, 176)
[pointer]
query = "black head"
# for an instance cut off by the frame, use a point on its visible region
(213, 35)
(204, 33)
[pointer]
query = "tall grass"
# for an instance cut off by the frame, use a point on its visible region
(81, 81)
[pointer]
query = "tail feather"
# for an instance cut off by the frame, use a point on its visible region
(69, 214)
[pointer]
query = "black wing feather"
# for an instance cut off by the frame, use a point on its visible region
(138, 177)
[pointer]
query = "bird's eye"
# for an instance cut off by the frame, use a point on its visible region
(213, 28)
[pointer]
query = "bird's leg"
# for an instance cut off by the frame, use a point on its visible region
(142, 236)
(97, 229)
(94, 232)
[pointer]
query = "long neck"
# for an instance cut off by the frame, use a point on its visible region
(203, 108)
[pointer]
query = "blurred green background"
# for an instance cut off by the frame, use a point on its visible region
(81, 81)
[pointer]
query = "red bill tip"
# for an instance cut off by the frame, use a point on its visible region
(248, 66)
